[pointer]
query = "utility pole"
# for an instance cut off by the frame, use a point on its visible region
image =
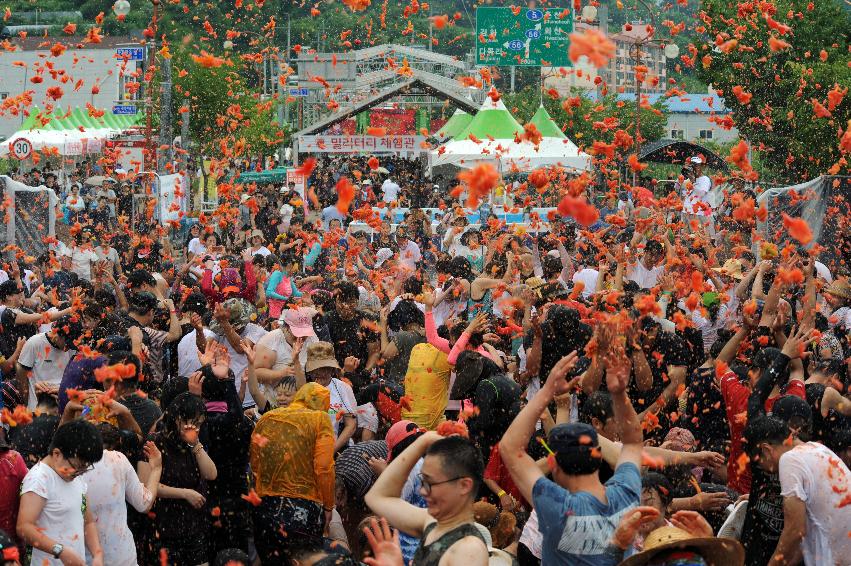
(284, 94)
(166, 138)
(185, 156)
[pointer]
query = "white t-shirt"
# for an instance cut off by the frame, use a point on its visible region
(286, 211)
(187, 353)
(238, 362)
(816, 476)
(75, 203)
(696, 197)
(342, 401)
(263, 251)
(588, 277)
(643, 277)
(112, 484)
(276, 342)
(196, 247)
(108, 254)
(82, 260)
(410, 255)
(63, 515)
(47, 363)
(823, 272)
(390, 190)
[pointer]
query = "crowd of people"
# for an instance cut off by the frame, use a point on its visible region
(300, 382)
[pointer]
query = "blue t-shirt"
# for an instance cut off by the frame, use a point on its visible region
(577, 527)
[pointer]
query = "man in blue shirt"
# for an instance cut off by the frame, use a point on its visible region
(577, 514)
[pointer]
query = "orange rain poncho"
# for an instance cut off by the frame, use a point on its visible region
(293, 451)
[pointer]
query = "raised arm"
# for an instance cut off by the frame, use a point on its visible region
(384, 496)
(512, 447)
(742, 288)
(441, 344)
(617, 377)
(771, 377)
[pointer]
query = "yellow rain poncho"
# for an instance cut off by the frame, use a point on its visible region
(427, 385)
(292, 454)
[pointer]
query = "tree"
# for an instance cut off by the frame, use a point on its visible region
(775, 68)
(227, 118)
(584, 120)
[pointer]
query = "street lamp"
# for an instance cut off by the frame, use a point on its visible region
(672, 51)
(121, 8)
(589, 13)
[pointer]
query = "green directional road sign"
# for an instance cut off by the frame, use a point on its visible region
(511, 36)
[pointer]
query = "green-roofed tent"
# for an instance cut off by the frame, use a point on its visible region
(497, 132)
(546, 125)
(456, 124)
(65, 129)
(492, 120)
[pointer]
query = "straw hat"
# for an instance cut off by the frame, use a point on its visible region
(320, 355)
(731, 268)
(716, 551)
(839, 288)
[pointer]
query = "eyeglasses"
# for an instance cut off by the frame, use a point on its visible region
(79, 469)
(427, 485)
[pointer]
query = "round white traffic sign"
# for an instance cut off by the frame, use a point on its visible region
(21, 148)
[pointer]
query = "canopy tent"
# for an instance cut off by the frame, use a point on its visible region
(454, 126)
(492, 136)
(493, 120)
(70, 133)
(546, 125)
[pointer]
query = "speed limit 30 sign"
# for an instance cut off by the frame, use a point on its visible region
(21, 148)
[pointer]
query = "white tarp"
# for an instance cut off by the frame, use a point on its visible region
(65, 142)
(824, 203)
(171, 205)
(510, 156)
(31, 215)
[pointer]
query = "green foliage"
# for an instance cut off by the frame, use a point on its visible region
(779, 121)
(579, 122)
(224, 112)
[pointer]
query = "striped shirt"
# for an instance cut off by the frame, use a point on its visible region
(352, 466)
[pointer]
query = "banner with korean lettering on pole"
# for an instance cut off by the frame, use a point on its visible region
(358, 144)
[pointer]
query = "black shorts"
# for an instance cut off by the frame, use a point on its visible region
(283, 522)
(186, 551)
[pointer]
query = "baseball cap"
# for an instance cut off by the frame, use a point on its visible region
(300, 321)
(8, 288)
(382, 255)
(399, 432)
(570, 436)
